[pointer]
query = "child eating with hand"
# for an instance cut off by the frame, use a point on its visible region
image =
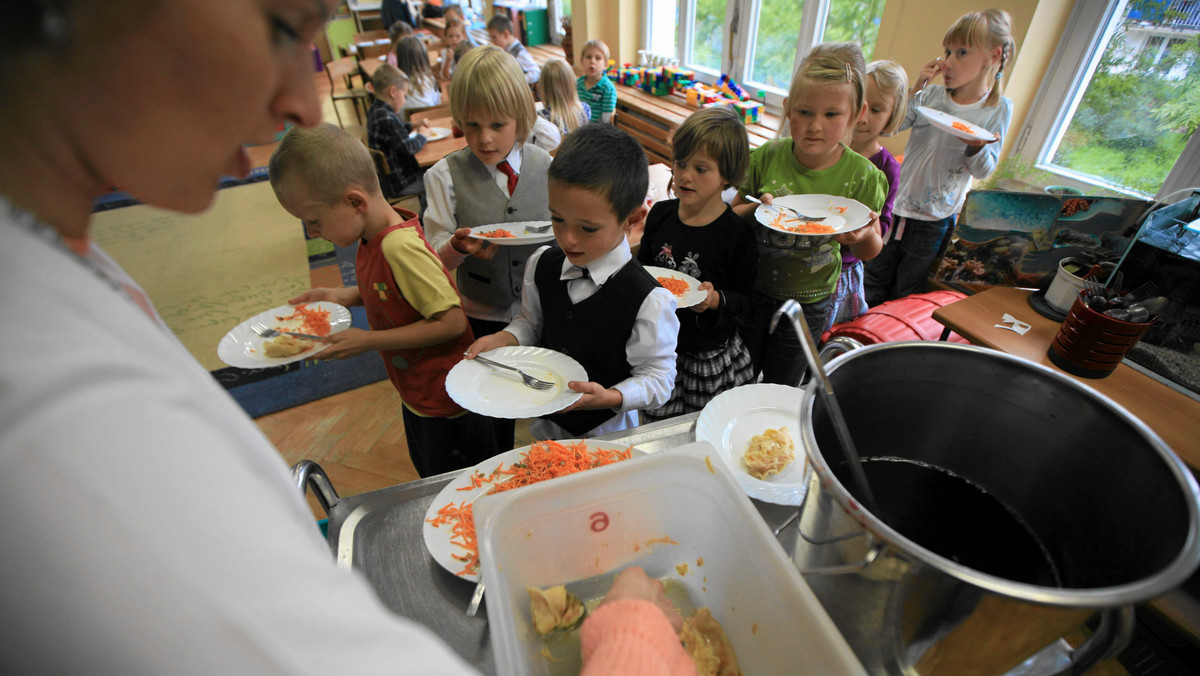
(589, 299)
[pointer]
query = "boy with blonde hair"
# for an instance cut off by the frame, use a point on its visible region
(325, 177)
(594, 88)
(393, 137)
(500, 30)
(497, 178)
(589, 299)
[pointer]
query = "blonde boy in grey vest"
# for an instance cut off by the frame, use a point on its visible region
(495, 179)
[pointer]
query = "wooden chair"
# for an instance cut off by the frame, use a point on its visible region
(343, 71)
(410, 202)
(415, 115)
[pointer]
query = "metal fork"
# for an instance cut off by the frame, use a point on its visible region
(538, 229)
(811, 219)
(529, 380)
(267, 332)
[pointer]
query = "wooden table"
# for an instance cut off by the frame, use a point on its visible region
(1174, 416)
(436, 150)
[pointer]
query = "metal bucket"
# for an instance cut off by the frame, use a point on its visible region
(1115, 510)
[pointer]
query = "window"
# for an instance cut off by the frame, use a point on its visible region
(1125, 117)
(559, 10)
(755, 41)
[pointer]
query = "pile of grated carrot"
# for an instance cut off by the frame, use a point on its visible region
(499, 233)
(674, 284)
(313, 320)
(962, 127)
(782, 221)
(543, 461)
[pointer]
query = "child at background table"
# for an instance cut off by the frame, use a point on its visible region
(325, 177)
(887, 94)
(698, 234)
(594, 89)
(454, 35)
(938, 166)
(500, 180)
(589, 299)
(500, 30)
(455, 11)
(826, 98)
(560, 100)
(398, 30)
(413, 59)
(390, 135)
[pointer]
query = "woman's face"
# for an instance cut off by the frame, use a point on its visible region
(161, 109)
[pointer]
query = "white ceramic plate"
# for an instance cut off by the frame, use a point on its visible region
(438, 133)
(499, 393)
(945, 122)
(690, 297)
(733, 417)
(809, 205)
(242, 347)
(437, 538)
(520, 234)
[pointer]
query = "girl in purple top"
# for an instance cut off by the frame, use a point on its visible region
(887, 87)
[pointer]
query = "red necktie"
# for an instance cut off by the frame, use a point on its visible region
(505, 168)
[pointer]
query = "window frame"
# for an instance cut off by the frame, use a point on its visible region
(1070, 69)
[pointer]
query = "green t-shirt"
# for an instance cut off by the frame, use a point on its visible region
(804, 267)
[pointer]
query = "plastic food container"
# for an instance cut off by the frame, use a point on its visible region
(685, 521)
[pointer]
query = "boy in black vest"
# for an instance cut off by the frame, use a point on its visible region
(588, 298)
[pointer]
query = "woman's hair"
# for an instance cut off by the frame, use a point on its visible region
(413, 59)
(455, 10)
(718, 132)
(597, 45)
(319, 164)
(892, 81)
(556, 87)
(988, 30)
(831, 63)
(387, 75)
(488, 79)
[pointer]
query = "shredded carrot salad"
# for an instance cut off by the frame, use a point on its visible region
(674, 285)
(962, 127)
(785, 222)
(312, 320)
(838, 210)
(543, 461)
(498, 232)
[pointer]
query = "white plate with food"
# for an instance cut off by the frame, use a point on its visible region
(455, 551)
(244, 348)
(966, 131)
(436, 134)
(515, 234)
(731, 421)
(815, 206)
(685, 288)
(500, 393)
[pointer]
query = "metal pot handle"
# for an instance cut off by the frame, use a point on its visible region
(873, 547)
(308, 473)
(1109, 639)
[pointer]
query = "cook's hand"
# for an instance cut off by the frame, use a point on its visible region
(594, 396)
(463, 242)
(634, 583)
(491, 342)
(346, 344)
(711, 301)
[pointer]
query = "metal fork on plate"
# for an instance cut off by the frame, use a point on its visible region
(529, 380)
(811, 219)
(267, 332)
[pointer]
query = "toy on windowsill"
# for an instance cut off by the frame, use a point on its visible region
(733, 90)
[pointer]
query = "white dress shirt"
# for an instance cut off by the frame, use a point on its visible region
(650, 349)
(440, 224)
